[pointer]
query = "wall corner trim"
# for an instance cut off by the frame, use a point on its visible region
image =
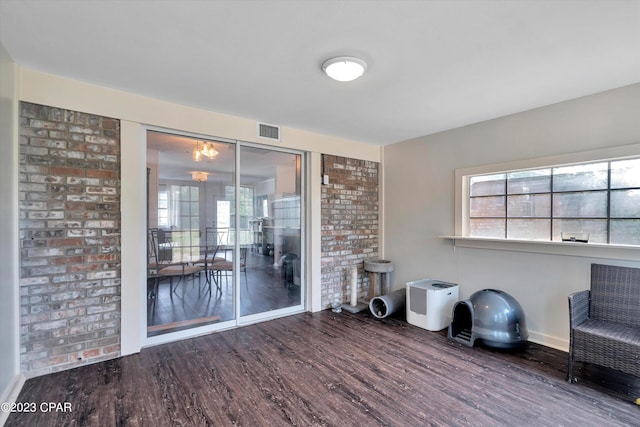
(10, 395)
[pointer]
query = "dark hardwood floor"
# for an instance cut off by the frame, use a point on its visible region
(333, 370)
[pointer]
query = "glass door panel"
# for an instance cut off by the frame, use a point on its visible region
(269, 220)
(189, 243)
(225, 234)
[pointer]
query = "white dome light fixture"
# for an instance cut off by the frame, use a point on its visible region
(344, 68)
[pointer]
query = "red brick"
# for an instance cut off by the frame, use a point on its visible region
(111, 349)
(78, 268)
(101, 173)
(67, 260)
(102, 258)
(65, 242)
(65, 171)
(91, 353)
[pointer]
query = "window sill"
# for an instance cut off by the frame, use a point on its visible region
(591, 250)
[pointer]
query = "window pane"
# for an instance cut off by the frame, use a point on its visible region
(529, 229)
(487, 227)
(593, 176)
(183, 208)
(184, 223)
(625, 173)
(195, 192)
(535, 181)
(223, 213)
(529, 205)
(487, 185)
(163, 219)
(162, 199)
(487, 206)
(625, 204)
(597, 228)
(195, 223)
(625, 231)
(580, 205)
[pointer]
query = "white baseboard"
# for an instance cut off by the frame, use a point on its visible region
(549, 341)
(10, 395)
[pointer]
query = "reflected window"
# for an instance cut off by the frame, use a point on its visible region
(180, 205)
(163, 207)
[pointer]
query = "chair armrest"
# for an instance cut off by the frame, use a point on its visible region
(578, 308)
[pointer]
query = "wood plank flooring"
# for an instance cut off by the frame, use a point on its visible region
(332, 369)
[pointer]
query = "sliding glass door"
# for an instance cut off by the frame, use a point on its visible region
(270, 223)
(225, 234)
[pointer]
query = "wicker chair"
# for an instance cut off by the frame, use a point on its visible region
(605, 321)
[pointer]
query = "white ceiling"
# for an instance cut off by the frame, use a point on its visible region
(432, 65)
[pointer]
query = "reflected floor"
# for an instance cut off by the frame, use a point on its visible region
(263, 288)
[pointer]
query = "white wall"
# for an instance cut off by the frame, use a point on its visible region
(10, 378)
(419, 203)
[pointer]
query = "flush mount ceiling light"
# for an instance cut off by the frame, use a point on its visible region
(344, 68)
(199, 176)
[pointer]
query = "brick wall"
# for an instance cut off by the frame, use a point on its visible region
(70, 238)
(349, 224)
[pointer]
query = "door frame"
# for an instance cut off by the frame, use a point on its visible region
(237, 320)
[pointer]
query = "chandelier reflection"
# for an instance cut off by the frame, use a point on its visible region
(203, 149)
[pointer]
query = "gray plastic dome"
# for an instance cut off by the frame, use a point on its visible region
(489, 315)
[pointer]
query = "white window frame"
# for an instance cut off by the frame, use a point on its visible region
(462, 238)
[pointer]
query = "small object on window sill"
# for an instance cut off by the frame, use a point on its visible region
(575, 237)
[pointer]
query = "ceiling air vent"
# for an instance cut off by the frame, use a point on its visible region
(269, 131)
